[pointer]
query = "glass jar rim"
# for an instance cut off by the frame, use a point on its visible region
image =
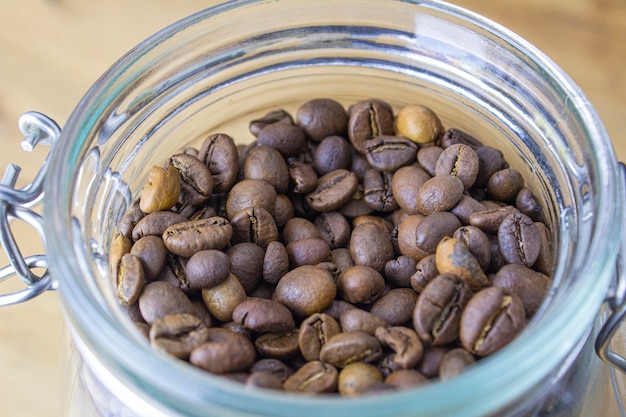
(527, 351)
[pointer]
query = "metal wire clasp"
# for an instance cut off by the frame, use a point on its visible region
(15, 204)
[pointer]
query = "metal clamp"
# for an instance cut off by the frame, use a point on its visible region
(616, 302)
(15, 204)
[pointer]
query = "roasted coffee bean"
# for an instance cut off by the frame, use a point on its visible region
(130, 279)
(388, 153)
(527, 203)
(280, 117)
(223, 352)
(267, 164)
(477, 242)
(357, 320)
(359, 164)
(489, 220)
(161, 191)
(283, 210)
(383, 223)
(418, 123)
(466, 207)
(154, 224)
(201, 312)
(491, 160)
(491, 319)
(356, 206)
(377, 190)
(399, 271)
(306, 290)
(223, 298)
(406, 238)
(130, 219)
(314, 332)
(278, 345)
(178, 334)
(333, 190)
(395, 306)
(320, 118)
(519, 239)
(425, 272)
(460, 161)
(407, 347)
(455, 362)
(263, 316)
(334, 229)
(303, 177)
(406, 379)
(237, 328)
(159, 299)
(439, 193)
(246, 263)
(357, 378)
(341, 258)
(427, 158)
(346, 348)
(369, 119)
(433, 228)
(545, 260)
(458, 137)
(431, 360)
(264, 380)
(529, 285)
(275, 262)
(332, 153)
(438, 309)
(406, 183)
(505, 184)
(310, 251)
(274, 367)
(360, 284)
(120, 246)
(371, 246)
(283, 136)
(185, 239)
(219, 153)
(454, 257)
(196, 181)
(250, 193)
(314, 377)
(298, 228)
(207, 268)
(255, 225)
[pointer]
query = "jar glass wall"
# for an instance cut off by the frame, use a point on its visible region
(226, 65)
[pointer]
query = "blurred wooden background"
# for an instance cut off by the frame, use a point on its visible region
(51, 51)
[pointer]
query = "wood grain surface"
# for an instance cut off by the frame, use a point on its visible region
(52, 51)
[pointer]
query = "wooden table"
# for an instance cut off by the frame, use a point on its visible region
(51, 51)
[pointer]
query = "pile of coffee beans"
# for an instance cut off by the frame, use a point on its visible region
(343, 250)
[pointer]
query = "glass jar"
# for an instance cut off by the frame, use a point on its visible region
(239, 60)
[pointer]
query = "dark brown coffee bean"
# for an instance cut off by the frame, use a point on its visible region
(178, 334)
(438, 309)
(427, 158)
(267, 164)
(491, 161)
(371, 246)
(281, 346)
(431, 360)
(130, 279)
(341, 258)
(407, 244)
(396, 306)
(159, 299)
(545, 260)
(283, 210)
(310, 251)
(497, 261)
(279, 116)
(460, 161)
(346, 348)
(237, 328)
(359, 165)
(174, 272)
(388, 153)
(357, 378)
(313, 378)
(263, 316)
(456, 136)
(505, 184)
(222, 299)
(491, 319)
(303, 177)
(334, 229)
(201, 312)
(332, 153)
(255, 225)
(439, 193)
(275, 262)
(250, 193)
(320, 118)
(314, 332)
(357, 320)
(455, 362)
(406, 379)
(333, 190)
(246, 263)
(489, 220)
(433, 228)
(150, 250)
(286, 138)
(356, 206)
(466, 207)
(407, 347)
(298, 228)
(154, 224)
(406, 183)
(399, 271)
(219, 153)
(527, 203)
(477, 242)
(360, 284)
(264, 380)
(161, 190)
(274, 367)
(383, 223)
(196, 181)
(223, 352)
(529, 285)
(454, 257)
(207, 268)
(425, 272)
(519, 239)
(185, 239)
(378, 192)
(130, 219)
(306, 290)
(368, 119)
